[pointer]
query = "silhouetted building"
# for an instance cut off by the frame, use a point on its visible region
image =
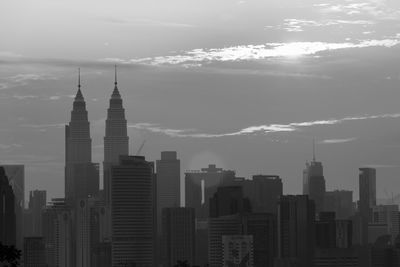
(219, 227)
(389, 215)
(81, 175)
(58, 234)
(16, 177)
(263, 228)
(201, 242)
(237, 250)
(116, 140)
(34, 252)
(168, 183)
(296, 215)
(228, 200)
(264, 192)
(178, 228)
(367, 193)
(133, 212)
(37, 203)
(201, 185)
(340, 202)
(325, 230)
(314, 183)
(7, 212)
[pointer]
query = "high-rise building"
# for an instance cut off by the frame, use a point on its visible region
(100, 237)
(133, 212)
(262, 227)
(296, 215)
(81, 175)
(340, 202)
(264, 192)
(229, 200)
(200, 186)
(37, 203)
(34, 252)
(168, 183)
(7, 212)
(388, 215)
(178, 238)
(58, 234)
(367, 193)
(237, 250)
(16, 177)
(116, 140)
(314, 183)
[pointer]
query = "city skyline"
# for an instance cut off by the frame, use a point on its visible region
(298, 70)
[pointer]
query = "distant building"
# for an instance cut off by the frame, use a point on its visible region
(37, 203)
(389, 215)
(228, 200)
(200, 186)
(168, 183)
(7, 212)
(34, 252)
(314, 183)
(202, 227)
(58, 234)
(237, 250)
(337, 257)
(178, 236)
(133, 212)
(296, 215)
(16, 177)
(340, 202)
(264, 192)
(367, 193)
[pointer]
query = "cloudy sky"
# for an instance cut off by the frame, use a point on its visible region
(243, 84)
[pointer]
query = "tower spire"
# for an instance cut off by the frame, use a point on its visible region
(313, 149)
(79, 78)
(115, 79)
(79, 95)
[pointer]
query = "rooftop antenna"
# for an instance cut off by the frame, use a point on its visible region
(313, 149)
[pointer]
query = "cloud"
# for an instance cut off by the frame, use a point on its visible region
(298, 25)
(337, 141)
(145, 22)
(253, 52)
(260, 129)
(9, 146)
(23, 79)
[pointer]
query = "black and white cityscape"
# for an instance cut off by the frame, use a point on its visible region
(188, 133)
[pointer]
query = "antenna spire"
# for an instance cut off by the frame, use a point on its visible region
(115, 79)
(313, 149)
(79, 78)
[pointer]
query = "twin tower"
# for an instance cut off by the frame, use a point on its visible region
(81, 175)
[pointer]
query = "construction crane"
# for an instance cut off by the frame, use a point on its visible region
(140, 148)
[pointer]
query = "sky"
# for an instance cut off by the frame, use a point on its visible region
(246, 85)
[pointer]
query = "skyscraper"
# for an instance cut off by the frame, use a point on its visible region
(116, 140)
(7, 212)
(37, 203)
(81, 175)
(168, 183)
(34, 252)
(296, 216)
(16, 177)
(178, 228)
(367, 193)
(314, 182)
(133, 212)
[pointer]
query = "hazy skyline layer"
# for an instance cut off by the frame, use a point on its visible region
(246, 85)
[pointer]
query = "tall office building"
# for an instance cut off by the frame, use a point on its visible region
(314, 183)
(133, 212)
(7, 212)
(178, 238)
(34, 252)
(264, 192)
(229, 200)
(389, 216)
(296, 215)
(200, 186)
(37, 203)
(168, 183)
(16, 177)
(367, 193)
(81, 175)
(58, 235)
(116, 140)
(340, 202)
